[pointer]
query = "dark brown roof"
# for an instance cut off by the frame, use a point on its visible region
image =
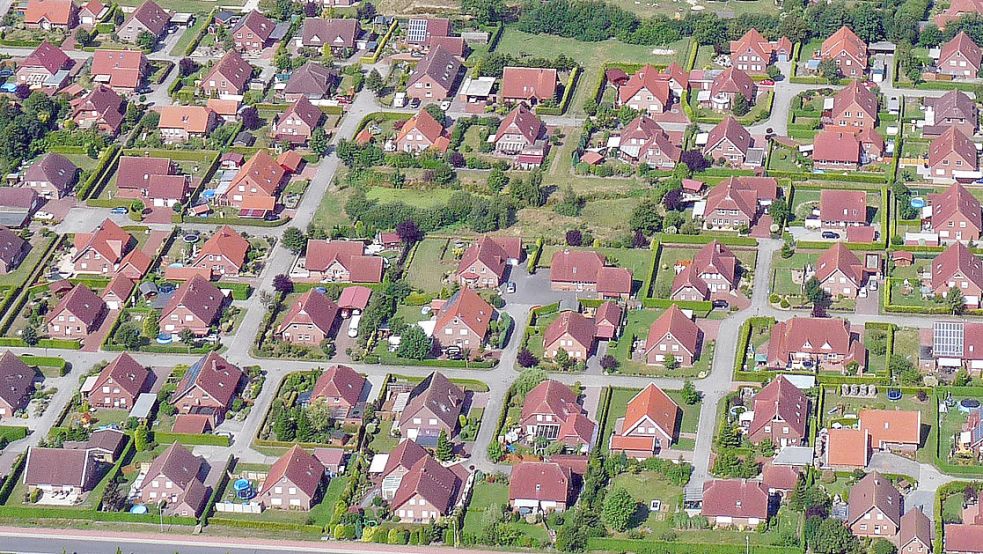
(436, 393)
(59, 467)
(214, 375)
(54, 169)
(48, 56)
(435, 483)
(313, 308)
(259, 24)
(178, 465)
(406, 454)
(541, 481)
(311, 79)
(874, 491)
(11, 246)
(337, 33)
(440, 64)
(152, 17)
(200, 297)
(16, 380)
(82, 303)
(340, 381)
(299, 468)
(126, 373)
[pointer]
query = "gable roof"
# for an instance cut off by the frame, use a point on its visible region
(225, 242)
(841, 258)
(260, 171)
(654, 404)
(192, 119)
(234, 68)
(649, 79)
(855, 93)
(742, 193)
(674, 324)
(350, 254)
(433, 482)
(425, 124)
(126, 373)
(952, 140)
(832, 145)
(56, 12)
(16, 379)
(962, 44)
(550, 397)
(541, 481)
(124, 67)
(780, 399)
(440, 64)
(717, 259)
(953, 104)
(570, 323)
(59, 467)
(437, 394)
(915, 525)
(305, 111)
(874, 491)
(955, 200)
(48, 56)
(105, 102)
(845, 40)
(406, 454)
(843, 205)
(313, 307)
(11, 246)
(956, 258)
(489, 251)
(152, 17)
(299, 468)
(257, 23)
(340, 381)
(135, 172)
(55, 169)
(752, 41)
(469, 308)
(809, 334)
(733, 81)
(198, 296)
(337, 33)
(892, 426)
(312, 79)
(212, 374)
(178, 465)
(729, 129)
(575, 265)
(523, 121)
(528, 82)
(738, 498)
(82, 303)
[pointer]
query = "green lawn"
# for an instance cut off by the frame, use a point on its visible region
(647, 486)
(18, 277)
(726, 8)
(637, 260)
(431, 263)
(410, 197)
(383, 441)
(485, 495)
(193, 6)
(669, 255)
(803, 202)
(784, 159)
(907, 343)
(619, 402)
(782, 283)
(330, 212)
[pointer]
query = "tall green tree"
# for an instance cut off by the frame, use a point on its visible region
(445, 450)
(619, 507)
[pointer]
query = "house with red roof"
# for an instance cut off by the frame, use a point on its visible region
(840, 272)
(421, 132)
(181, 123)
(340, 387)
(953, 109)
(354, 300)
(119, 384)
(673, 334)
(147, 18)
(646, 90)
(552, 410)
(101, 109)
(540, 487)
(41, 65)
(434, 405)
(952, 156)
(714, 268)
(848, 51)
(531, 85)
(645, 141)
(118, 291)
(957, 267)
(585, 271)
(738, 202)
(196, 305)
(153, 179)
(463, 321)
(51, 176)
(434, 75)
(175, 481)
(13, 248)
(915, 536)
(121, 70)
(781, 414)
(341, 261)
(963, 538)
(102, 251)
(224, 253)
(827, 344)
(959, 58)
(208, 388)
(51, 14)
(874, 508)
(650, 424)
(731, 143)
(571, 332)
(251, 34)
(228, 77)
(16, 384)
(957, 9)
(77, 315)
(956, 215)
(297, 123)
(727, 86)
(293, 482)
(753, 53)
(608, 320)
(312, 80)
(256, 187)
(340, 35)
(309, 320)
(836, 150)
(839, 208)
(428, 491)
(854, 106)
(892, 430)
(91, 13)
(519, 130)
(485, 264)
(735, 503)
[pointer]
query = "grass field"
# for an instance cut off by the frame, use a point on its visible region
(431, 262)
(410, 197)
(496, 495)
(192, 6)
(331, 211)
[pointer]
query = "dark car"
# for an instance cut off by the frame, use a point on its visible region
(830, 235)
(720, 304)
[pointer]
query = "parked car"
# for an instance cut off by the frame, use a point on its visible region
(353, 326)
(720, 304)
(118, 210)
(510, 287)
(830, 235)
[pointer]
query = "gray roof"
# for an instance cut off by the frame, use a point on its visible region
(794, 456)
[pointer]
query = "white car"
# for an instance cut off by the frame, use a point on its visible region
(353, 326)
(445, 105)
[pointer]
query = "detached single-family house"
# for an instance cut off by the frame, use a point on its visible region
(293, 482)
(650, 424)
(119, 384)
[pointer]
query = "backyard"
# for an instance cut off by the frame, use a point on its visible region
(687, 423)
(669, 256)
(637, 329)
(636, 260)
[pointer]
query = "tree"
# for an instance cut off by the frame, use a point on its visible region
(414, 344)
(445, 450)
(571, 204)
(903, 370)
(373, 81)
(562, 359)
(129, 336)
(151, 324)
(187, 66)
(867, 22)
(495, 453)
(671, 362)
(690, 395)
(741, 105)
(497, 179)
(294, 240)
(609, 362)
(779, 211)
(619, 507)
(436, 113)
(408, 232)
(140, 438)
(882, 546)
(955, 300)
(526, 358)
(830, 71)
(83, 36)
(30, 335)
(930, 36)
(645, 217)
(832, 537)
(250, 118)
(283, 284)
(816, 295)
(694, 160)
(574, 237)
(484, 11)
(319, 141)
(146, 41)
(729, 436)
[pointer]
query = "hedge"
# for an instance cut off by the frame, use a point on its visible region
(644, 546)
(240, 291)
(722, 238)
(193, 45)
(245, 221)
(455, 364)
(565, 99)
(13, 432)
(380, 116)
(46, 361)
(266, 525)
(107, 159)
(190, 439)
(849, 177)
(382, 44)
(216, 492)
(699, 306)
(12, 477)
(646, 289)
(534, 256)
(49, 512)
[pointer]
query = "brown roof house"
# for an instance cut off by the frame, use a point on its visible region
(520, 130)
(60, 472)
(955, 10)
(847, 50)
(341, 261)
(256, 186)
(650, 424)
(840, 272)
(16, 384)
(207, 388)
(963, 538)
(91, 12)
(421, 132)
(485, 264)
(402, 458)
(196, 306)
(52, 176)
(148, 18)
(714, 268)
(727, 86)
(42, 65)
(753, 53)
(673, 334)
(647, 90)
(228, 77)
(180, 123)
(739, 202)
(338, 34)
(428, 491)
(224, 253)
(731, 142)
(154, 179)
(311, 80)
(433, 406)
(585, 271)
(251, 34)
(463, 321)
(531, 85)
(821, 343)
(121, 70)
(552, 410)
(434, 75)
(952, 156)
(571, 332)
(101, 109)
(297, 123)
(874, 508)
(839, 209)
(957, 267)
(309, 320)
(953, 109)
(293, 482)
(956, 215)
(854, 106)
(781, 414)
(735, 503)
(103, 251)
(119, 384)
(645, 141)
(13, 249)
(51, 14)
(540, 487)
(77, 315)
(175, 481)
(960, 58)
(915, 536)
(341, 388)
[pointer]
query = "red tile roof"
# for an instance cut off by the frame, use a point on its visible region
(261, 172)
(192, 119)
(259, 24)
(134, 172)
(467, 307)
(736, 498)
(200, 297)
(952, 140)
(305, 111)
(858, 94)
(609, 313)
(350, 254)
(124, 372)
(955, 200)
(781, 478)
(354, 297)
(956, 258)
(649, 79)
(313, 308)
(550, 397)
(178, 465)
(576, 325)
(831, 145)
(426, 125)
(845, 40)
(743, 193)
(729, 129)
(841, 258)
(541, 481)
(213, 374)
(892, 426)
(492, 252)
(233, 68)
(521, 121)
(56, 12)
(436, 484)
(651, 404)
(733, 81)
(528, 83)
(299, 468)
(874, 491)
(340, 381)
(840, 205)
(780, 399)
(961, 537)
(406, 454)
(964, 45)
(48, 56)
(151, 16)
(124, 67)
(225, 242)
(82, 303)
(673, 324)
(813, 335)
